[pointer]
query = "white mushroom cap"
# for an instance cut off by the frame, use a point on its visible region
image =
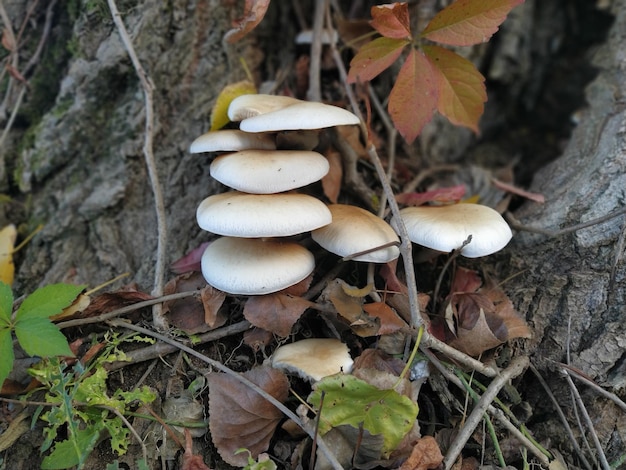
(328, 36)
(354, 230)
(231, 140)
(247, 106)
(267, 171)
(313, 359)
(249, 266)
(245, 215)
(445, 228)
(303, 115)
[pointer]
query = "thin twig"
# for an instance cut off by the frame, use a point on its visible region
(315, 90)
(146, 84)
(590, 383)
(221, 367)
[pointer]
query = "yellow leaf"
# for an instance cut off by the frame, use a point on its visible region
(7, 241)
(219, 114)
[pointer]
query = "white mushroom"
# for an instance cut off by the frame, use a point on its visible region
(248, 266)
(303, 115)
(313, 359)
(247, 106)
(446, 228)
(354, 230)
(266, 171)
(245, 215)
(231, 140)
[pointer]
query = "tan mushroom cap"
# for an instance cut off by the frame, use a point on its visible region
(302, 115)
(231, 140)
(247, 106)
(445, 228)
(314, 358)
(250, 266)
(354, 230)
(266, 171)
(238, 214)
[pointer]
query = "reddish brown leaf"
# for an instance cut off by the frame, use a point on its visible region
(462, 92)
(425, 455)
(253, 13)
(449, 194)
(189, 262)
(392, 20)
(465, 280)
(275, 312)
(354, 33)
(378, 360)
(413, 98)
(257, 338)
(468, 22)
(374, 57)
(479, 338)
(390, 322)
(109, 301)
(331, 183)
(239, 417)
(516, 326)
(348, 301)
(392, 283)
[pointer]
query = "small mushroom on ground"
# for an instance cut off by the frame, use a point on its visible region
(313, 359)
(238, 214)
(355, 230)
(447, 228)
(231, 140)
(251, 266)
(267, 171)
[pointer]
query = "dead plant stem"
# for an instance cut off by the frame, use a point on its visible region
(315, 90)
(158, 319)
(222, 368)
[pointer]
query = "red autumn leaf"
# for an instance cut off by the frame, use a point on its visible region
(390, 322)
(374, 57)
(275, 312)
(450, 194)
(190, 261)
(239, 417)
(392, 20)
(413, 98)
(462, 91)
(468, 22)
(253, 13)
(425, 455)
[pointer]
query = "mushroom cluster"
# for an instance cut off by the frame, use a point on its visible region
(252, 257)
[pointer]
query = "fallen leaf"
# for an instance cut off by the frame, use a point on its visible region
(75, 310)
(479, 338)
(392, 283)
(350, 307)
(465, 280)
(516, 326)
(392, 20)
(239, 417)
(468, 22)
(190, 460)
(414, 96)
(8, 235)
(389, 320)
(331, 183)
(190, 261)
(378, 360)
(352, 447)
(276, 313)
(257, 338)
(253, 13)
(109, 301)
(8, 40)
(425, 455)
(462, 91)
(219, 113)
(445, 195)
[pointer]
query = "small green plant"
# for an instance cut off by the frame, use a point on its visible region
(432, 77)
(35, 333)
(262, 463)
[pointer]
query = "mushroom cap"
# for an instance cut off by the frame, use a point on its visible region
(231, 140)
(445, 228)
(247, 106)
(314, 358)
(267, 171)
(245, 215)
(354, 230)
(303, 115)
(250, 266)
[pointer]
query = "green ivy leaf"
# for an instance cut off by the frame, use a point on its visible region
(6, 353)
(374, 57)
(352, 401)
(48, 300)
(39, 337)
(6, 304)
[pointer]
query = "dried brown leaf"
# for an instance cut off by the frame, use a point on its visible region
(331, 183)
(257, 338)
(253, 13)
(425, 455)
(350, 307)
(276, 313)
(465, 280)
(390, 322)
(241, 418)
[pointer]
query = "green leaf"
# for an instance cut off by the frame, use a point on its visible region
(352, 401)
(392, 20)
(48, 300)
(39, 337)
(6, 304)
(468, 22)
(72, 451)
(374, 57)
(6, 353)
(413, 98)
(462, 91)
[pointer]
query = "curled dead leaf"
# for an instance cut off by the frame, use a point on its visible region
(276, 313)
